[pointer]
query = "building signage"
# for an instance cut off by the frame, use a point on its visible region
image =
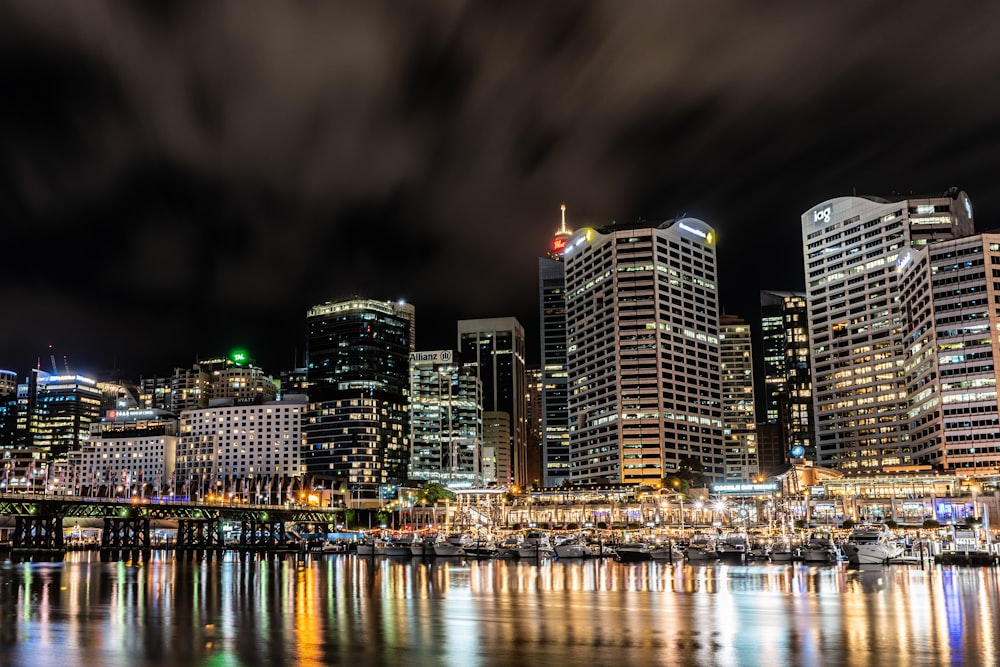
(817, 491)
(436, 357)
(822, 214)
(745, 488)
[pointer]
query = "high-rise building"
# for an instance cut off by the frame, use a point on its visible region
(554, 430)
(446, 421)
(8, 410)
(642, 323)
(949, 296)
(851, 249)
(738, 415)
(494, 347)
(787, 370)
(534, 467)
(229, 377)
(496, 448)
(357, 433)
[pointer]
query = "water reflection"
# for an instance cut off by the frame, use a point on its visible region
(346, 610)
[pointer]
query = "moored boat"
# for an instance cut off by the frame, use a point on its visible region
(871, 545)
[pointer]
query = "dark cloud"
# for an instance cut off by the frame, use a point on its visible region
(177, 178)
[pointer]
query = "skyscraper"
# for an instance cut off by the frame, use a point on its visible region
(446, 421)
(739, 424)
(642, 320)
(494, 347)
(357, 430)
(552, 317)
(851, 248)
(949, 314)
(787, 370)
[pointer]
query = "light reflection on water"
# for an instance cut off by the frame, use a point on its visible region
(346, 610)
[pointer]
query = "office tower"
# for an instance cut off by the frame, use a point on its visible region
(554, 430)
(738, 415)
(131, 452)
(496, 448)
(851, 246)
(446, 421)
(358, 355)
(787, 370)
(949, 296)
(242, 448)
(642, 323)
(494, 347)
(772, 454)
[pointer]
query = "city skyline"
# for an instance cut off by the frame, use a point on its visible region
(178, 182)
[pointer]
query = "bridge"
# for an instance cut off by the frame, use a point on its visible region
(39, 523)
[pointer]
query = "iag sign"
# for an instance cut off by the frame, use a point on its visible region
(822, 214)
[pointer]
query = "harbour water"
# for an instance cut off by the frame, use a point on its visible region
(311, 610)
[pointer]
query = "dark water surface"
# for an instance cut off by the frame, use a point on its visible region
(349, 610)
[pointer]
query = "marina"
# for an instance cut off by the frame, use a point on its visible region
(316, 609)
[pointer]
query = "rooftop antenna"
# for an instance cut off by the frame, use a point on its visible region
(52, 358)
(563, 209)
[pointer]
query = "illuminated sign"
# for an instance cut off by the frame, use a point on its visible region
(798, 451)
(558, 244)
(239, 357)
(437, 357)
(903, 261)
(745, 488)
(822, 214)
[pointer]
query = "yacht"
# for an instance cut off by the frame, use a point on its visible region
(634, 552)
(573, 547)
(373, 546)
(665, 551)
(871, 545)
(453, 545)
(781, 551)
(702, 549)
(508, 548)
(423, 546)
(398, 547)
(536, 545)
(733, 548)
(820, 548)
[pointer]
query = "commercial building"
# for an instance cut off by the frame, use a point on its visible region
(494, 348)
(642, 323)
(788, 398)
(851, 249)
(554, 429)
(446, 421)
(357, 433)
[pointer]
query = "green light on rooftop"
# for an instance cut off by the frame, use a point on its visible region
(239, 357)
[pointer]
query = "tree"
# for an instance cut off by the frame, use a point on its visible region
(847, 524)
(931, 523)
(432, 492)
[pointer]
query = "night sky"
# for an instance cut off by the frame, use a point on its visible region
(178, 179)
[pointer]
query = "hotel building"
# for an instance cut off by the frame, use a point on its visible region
(851, 248)
(950, 296)
(642, 325)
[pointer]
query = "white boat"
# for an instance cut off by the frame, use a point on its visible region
(573, 548)
(423, 546)
(536, 545)
(399, 547)
(781, 551)
(454, 545)
(665, 551)
(702, 549)
(871, 545)
(820, 548)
